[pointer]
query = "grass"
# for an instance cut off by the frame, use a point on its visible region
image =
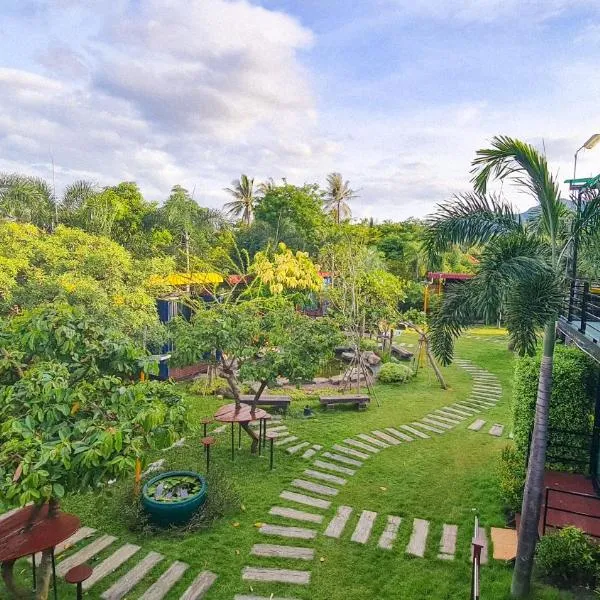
(446, 479)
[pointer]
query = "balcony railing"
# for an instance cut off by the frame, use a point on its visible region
(582, 308)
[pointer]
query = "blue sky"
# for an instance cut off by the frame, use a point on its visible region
(395, 94)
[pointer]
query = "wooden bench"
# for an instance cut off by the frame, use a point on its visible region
(361, 400)
(274, 401)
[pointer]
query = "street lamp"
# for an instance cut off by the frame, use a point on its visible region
(592, 141)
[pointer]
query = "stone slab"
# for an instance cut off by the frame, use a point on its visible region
(110, 564)
(504, 542)
(338, 522)
(276, 551)
(414, 431)
(445, 419)
(132, 578)
(477, 425)
(451, 415)
(362, 533)
(478, 402)
(276, 575)
(361, 445)
(462, 413)
(386, 541)
(305, 500)
(296, 515)
(418, 539)
(350, 451)
(399, 434)
(84, 554)
(322, 464)
(160, 588)
(286, 440)
(372, 440)
(342, 459)
(386, 437)
(427, 427)
(309, 453)
(277, 429)
(300, 533)
(198, 588)
(219, 429)
(325, 477)
(294, 449)
(316, 488)
(469, 409)
(482, 538)
(496, 430)
(448, 542)
(437, 424)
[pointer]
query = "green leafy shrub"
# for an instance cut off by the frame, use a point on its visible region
(202, 387)
(567, 558)
(511, 473)
(369, 344)
(414, 316)
(571, 407)
(394, 373)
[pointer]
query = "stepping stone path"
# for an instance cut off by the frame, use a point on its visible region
(165, 582)
(496, 430)
(334, 466)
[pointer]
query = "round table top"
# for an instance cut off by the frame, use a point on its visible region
(240, 414)
(18, 540)
(206, 420)
(208, 441)
(78, 573)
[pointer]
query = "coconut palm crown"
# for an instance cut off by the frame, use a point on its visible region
(338, 195)
(242, 191)
(521, 274)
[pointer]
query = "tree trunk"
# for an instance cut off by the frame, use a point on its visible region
(534, 482)
(44, 574)
(8, 576)
(261, 389)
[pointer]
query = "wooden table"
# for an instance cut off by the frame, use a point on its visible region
(29, 531)
(243, 415)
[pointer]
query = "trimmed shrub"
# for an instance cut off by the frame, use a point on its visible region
(202, 387)
(571, 407)
(567, 558)
(395, 373)
(369, 344)
(511, 473)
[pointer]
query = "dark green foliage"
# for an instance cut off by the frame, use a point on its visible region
(567, 558)
(394, 373)
(511, 473)
(571, 406)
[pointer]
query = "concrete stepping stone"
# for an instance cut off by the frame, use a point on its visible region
(160, 588)
(312, 451)
(476, 425)
(322, 464)
(427, 427)
(276, 575)
(277, 429)
(478, 402)
(286, 440)
(496, 430)
(350, 451)
(484, 389)
(418, 538)
(482, 539)
(124, 585)
(300, 533)
(372, 440)
(362, 533)
(338, 522)
(219, 429)
(485, 396)
(294, 449)
(110, 565)
(325, 477)
(459, 411)
(84, 554)
(437, 424)
(445, 419)
(199, 586)
(386, 541)
(447, 414)
(448, 542)
(471, 409)
(316, 488)
(399, 434)
(386, 437)
(296, 515)
(305, 500)
(275, 551)
(474, 405)
(361, 445)
(342, 459)
(415, 431)
(81, 534)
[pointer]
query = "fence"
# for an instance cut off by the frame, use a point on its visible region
(576, 508)
(582, 307)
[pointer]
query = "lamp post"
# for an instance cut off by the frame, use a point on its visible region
(591, 142)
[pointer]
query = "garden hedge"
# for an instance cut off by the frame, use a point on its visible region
(571, 407)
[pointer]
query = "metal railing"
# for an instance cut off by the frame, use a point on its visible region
(547, 507)
(577, 449)
(477, 545)
(582, 307)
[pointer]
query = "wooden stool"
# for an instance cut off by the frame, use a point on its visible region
(207, 442)
(206, 422)
(77, 575)
(271, 435)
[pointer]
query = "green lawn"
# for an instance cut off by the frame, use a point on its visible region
(446, 479)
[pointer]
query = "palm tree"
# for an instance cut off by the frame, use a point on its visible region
(521, 271)
(27, 199)
(338, 194)
(243, 204)
(267, 186)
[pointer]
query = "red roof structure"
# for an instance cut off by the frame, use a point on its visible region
(440, 275)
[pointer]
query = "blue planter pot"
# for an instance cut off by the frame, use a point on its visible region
(173, 513)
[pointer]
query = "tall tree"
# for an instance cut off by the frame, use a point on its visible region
(242, 191)
(339, 194)
(521, 270)
(27, 199)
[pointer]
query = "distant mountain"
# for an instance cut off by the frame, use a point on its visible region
(534, 211)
